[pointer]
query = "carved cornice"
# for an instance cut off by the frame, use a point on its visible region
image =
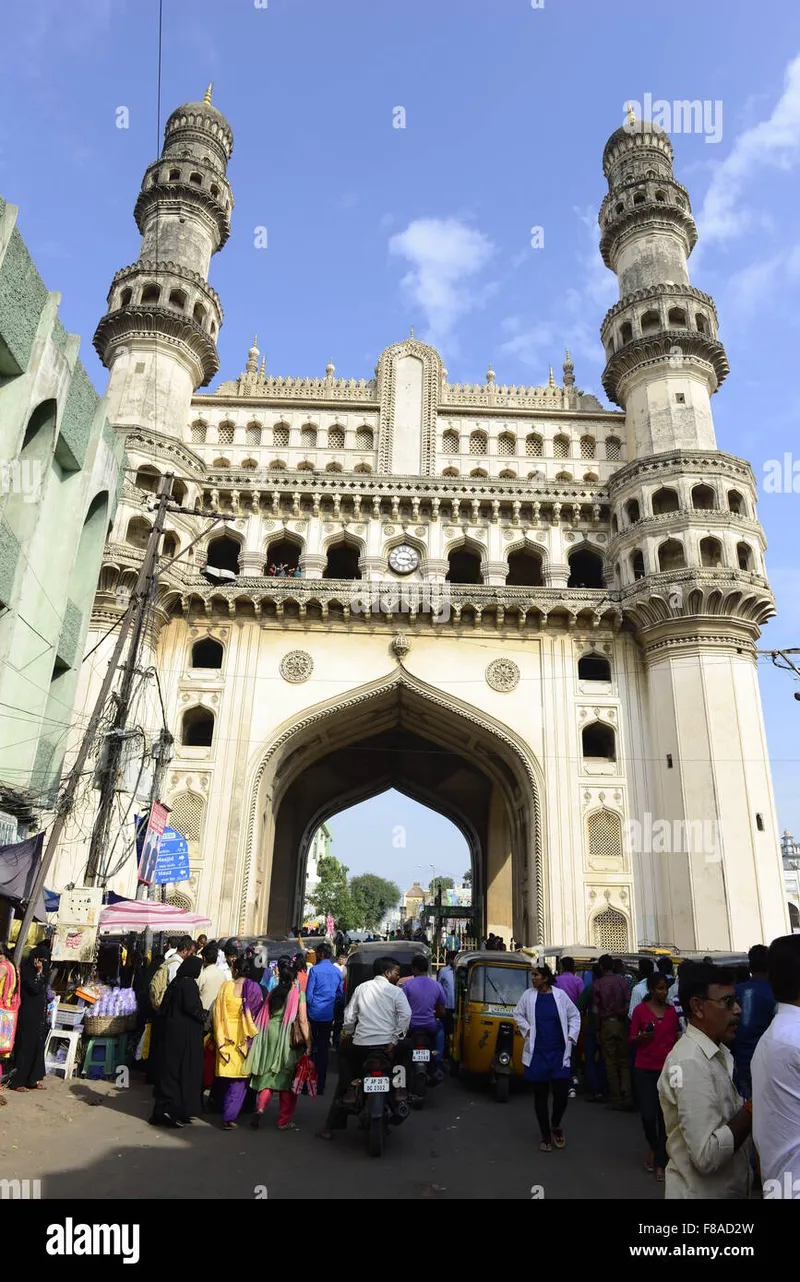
(654, 292)
(165, 447)
(683, 519)
(142, 321)
(657, 349)
(149, 268)
(687, 599)
(679, 462)
(174, 197)
(650, 216)
(333, 391)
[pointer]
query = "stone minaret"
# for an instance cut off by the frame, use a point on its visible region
(159, 335)
(688, 562)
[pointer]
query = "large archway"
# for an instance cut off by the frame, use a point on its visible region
(435, 749)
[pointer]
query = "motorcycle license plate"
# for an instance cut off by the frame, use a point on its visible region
(421, 1057)
(375, 1085)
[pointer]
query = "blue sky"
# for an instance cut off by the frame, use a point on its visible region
(372, 229)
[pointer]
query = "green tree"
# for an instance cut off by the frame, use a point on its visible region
(372, 897)
(446, 883)
(331, 896)
(467, 878)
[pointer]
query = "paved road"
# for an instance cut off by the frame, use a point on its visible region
(89, 1140)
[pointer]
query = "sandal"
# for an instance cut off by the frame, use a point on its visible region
(324, 1135)
(659, 1175)
(290, 1126)
(229, 1126)
(544, 1147)
(558, 1137)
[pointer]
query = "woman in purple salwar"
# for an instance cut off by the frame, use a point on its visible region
(237, 1003)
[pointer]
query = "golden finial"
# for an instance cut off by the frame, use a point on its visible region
(631, 117)
(255, 340)
(263, 370)
(411, 335)
(567, 350)
(552, 380)
(207, 96)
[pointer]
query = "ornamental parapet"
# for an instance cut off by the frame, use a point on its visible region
(659, 348)
(143, 321)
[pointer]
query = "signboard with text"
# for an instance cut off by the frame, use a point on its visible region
(173, 858)
(148, 841)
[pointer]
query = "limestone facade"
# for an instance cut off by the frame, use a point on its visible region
(534, 614)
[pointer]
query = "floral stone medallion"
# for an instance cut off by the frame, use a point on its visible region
(296, 666)
(503, 675)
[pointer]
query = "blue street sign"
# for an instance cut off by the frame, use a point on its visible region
(173, 858)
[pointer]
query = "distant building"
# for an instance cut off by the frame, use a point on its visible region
(60, 476)
(320, 848)
(791, 878)
(413, 900)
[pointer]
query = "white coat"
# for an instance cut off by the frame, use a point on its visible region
(525, 1018)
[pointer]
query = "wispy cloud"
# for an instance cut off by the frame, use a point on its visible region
(774, 142)
(444, 257)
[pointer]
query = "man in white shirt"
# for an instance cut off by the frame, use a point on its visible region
(639, 990)
(175, 956)
(211, 977)
(378, 1014)
(707, 1125)
(775, 1069)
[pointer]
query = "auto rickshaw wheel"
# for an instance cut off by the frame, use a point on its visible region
(502, 1088)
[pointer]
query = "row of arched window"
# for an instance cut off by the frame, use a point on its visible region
(653, 321)
(305, 465)
(256, 434)
(508, 474)
(194, 178)
(671, 555)
(533, 446)
(176, 298)
(666, 500)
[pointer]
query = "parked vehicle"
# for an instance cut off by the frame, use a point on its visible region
(423, 1065)
(486, 1041)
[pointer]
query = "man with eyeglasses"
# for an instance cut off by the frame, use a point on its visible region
(708, 1127)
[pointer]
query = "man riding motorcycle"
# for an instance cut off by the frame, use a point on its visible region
(427, 1000)
(377, 1015)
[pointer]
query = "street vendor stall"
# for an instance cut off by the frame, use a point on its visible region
(141, 914)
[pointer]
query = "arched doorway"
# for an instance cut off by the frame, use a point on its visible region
(405, 735)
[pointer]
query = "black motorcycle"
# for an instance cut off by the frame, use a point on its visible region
(426, 1068)
(375, 1103)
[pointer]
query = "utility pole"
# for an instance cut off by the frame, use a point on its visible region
(162, 752)
(115, 735)
(133, 615)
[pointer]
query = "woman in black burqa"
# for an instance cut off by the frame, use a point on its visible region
(179, 1072)
(32, 1021)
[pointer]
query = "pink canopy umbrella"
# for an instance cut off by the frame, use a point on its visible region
(138, 914)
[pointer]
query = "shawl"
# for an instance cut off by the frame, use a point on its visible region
(282, 1050)
(222, 1033)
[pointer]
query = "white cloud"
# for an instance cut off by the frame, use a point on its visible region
(774, 142)
(444, 255)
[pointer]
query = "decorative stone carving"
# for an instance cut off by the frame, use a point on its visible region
(503, 675)
(296, 666)
(400, 645)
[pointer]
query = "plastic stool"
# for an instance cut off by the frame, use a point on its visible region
(68, 1065)
(103, 1056)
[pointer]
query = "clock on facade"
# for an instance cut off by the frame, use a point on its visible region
(403, 559)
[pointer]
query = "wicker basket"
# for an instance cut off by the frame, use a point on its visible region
(108, 1025)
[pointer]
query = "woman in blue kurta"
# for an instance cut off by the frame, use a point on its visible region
(550, 1024)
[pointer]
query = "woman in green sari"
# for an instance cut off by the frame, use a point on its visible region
(282, 1026)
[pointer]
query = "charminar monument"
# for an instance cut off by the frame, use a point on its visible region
(533, 614)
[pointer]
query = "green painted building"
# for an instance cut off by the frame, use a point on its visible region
(60, 475)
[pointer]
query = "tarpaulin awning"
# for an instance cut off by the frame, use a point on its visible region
(19, 864)
(138, 914)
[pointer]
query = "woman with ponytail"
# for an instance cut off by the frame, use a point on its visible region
(282, 1036)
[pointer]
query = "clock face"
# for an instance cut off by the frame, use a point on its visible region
(403, 559)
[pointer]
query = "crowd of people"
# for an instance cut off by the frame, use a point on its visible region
(709, 1057)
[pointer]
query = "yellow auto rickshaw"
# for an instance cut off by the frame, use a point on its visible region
(485, 1039)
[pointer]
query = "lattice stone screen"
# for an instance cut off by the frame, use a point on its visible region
(478, 443)
(364, 439)
(198, 431)
(534, 446)
(336, 438)
(613, 448)
(610, 931)
(587, 447)
(280, 437)
(308, 437)
(253, 435)
(506, 445)
(225, 433)
(561, 447)
(604, 830)
(450, 442)
(186, 815)
(179, 900)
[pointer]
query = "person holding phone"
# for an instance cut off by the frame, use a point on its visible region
(653, 1033)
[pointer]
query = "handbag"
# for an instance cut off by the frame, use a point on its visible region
(296, 1039)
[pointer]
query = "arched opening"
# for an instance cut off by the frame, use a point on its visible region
(586, 570)
(736, 503)
(308, 437)
(226, 432)
(441, 753)
(177, 299)
(179, 492)
(199, 314)
(599, 742)
(613, 449)
(450, 471)
(639, 198)
(138, 532)
(223, 554)
(151, 294)
(147, 478)
(661, 197)
(335, 438)
(198, 432)
(83, 582)
(534, 445)
(464, 566)
(506, 444)
(342, 561)
(174, 175)
(561, 446)
(252, 434)
(478, 443)
(169, 547)
(221, 463)
(365, 438)
(479, 472)
(22, 511)
(125, 297)
(610, 931)
(703, 498)
(525, 569)
(614, 525)
(588, 447)
(283, 557)
(276, 465)
(249, 464)
(744, 555)
(563, 476)
(507, 474)
(197, 728)
(280, 436)
(794, 918)
(671, 556)
(626, 332)
(701, 323)
(594, 667)
(711, 553)
(676, 318)
(664, 501)
(197, 179)
(333, 467)
(450, 442)
(207, 653)
(637, 565)
(650, 323)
